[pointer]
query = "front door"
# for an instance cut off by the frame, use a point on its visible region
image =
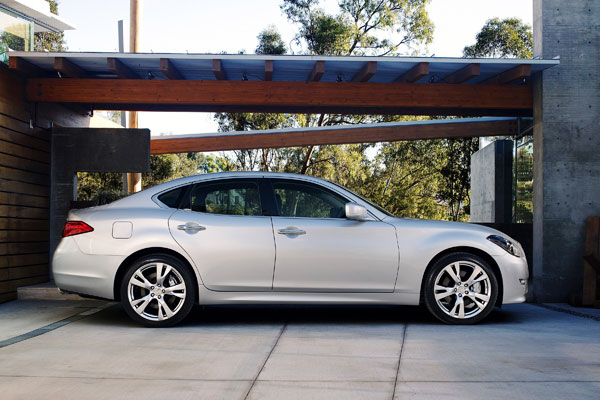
(319, 250)
(222, 228)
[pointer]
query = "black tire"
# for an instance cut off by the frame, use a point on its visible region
(448, 308)
(149, 315)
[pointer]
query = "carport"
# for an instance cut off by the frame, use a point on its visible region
(252, 83)
(61, 90)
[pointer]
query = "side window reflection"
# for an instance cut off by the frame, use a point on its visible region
(231, 198)
(299, 199)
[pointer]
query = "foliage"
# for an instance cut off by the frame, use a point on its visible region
(362, 27)
(405, 178)
(93, 186)
(270, 42)
(10, 41)
(165, 167)
(525, 185)
(50, 41)
(455, 175)
(502, 38)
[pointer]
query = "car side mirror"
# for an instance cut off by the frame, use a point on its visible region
(356, 212)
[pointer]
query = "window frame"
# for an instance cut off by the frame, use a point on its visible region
(270, 182)
(187, 195)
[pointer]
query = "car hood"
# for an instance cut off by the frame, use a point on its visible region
(428, 224)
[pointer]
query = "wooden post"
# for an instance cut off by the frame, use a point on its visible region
(591, 262)
(134, 179)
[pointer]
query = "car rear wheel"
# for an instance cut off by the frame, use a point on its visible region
(157, 291)
(461, 288)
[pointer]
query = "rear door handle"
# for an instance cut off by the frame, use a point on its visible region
(187, 227)
(291, 231)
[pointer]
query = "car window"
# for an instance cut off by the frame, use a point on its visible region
(226, 197)
(299, 199)
(171, 198)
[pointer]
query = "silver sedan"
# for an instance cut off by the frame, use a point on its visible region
(255, 237)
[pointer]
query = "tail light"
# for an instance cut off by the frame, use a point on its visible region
(76, 228)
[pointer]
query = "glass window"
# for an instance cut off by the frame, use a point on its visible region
(299, 199)
(226, 197)
(15, 34)
(171, 198)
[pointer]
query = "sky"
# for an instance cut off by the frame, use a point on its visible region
(202, 26)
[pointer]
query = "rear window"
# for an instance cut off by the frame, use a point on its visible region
(171, 198)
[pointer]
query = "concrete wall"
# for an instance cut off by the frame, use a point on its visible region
(90, 150)
(566, 142)
(491, 183)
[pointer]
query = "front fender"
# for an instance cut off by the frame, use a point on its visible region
(419, 242)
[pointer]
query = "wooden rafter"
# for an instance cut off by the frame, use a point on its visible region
(366, 73)
(277, 96)
(217, 69)
(317, 72)
(415, 73)
(268, 70)
(116, 67)
(332, 135)
(169, 70)
(513, 74)
(68, 68)
(462, 75)
(24, 67)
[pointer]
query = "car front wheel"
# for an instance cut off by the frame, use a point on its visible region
(461, 288)
(157, 291)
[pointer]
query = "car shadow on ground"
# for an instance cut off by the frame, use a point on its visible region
(300, 314)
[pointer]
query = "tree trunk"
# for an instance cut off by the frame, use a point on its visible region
(309, 152)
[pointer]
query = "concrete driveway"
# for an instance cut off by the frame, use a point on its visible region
(522, 351)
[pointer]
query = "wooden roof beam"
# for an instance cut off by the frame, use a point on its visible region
(268, 70)
(169, 70)
(68, 68)
(291, 97)
(217, 69)
(24, 67)
(462, 75)
(118, 68)
(366, 72)
(415, 73)
(331, 135)
(317, 72)
(519, 72)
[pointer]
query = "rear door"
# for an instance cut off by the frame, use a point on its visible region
(221, 226)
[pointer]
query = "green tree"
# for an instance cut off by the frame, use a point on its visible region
(50, 41)
(507, 38)
(362, 27)
(502, 38)
(405, 178)
(99, 187)
(455, 176)
(270, 42)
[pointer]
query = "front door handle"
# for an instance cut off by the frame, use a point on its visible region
(187, 227)
(291, 231)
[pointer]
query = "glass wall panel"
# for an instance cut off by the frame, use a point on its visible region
(15, 34)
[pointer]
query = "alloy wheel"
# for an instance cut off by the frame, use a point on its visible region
(462, 289)
(156, 291)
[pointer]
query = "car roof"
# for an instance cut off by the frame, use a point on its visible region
(233, 174)
(144, 198)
